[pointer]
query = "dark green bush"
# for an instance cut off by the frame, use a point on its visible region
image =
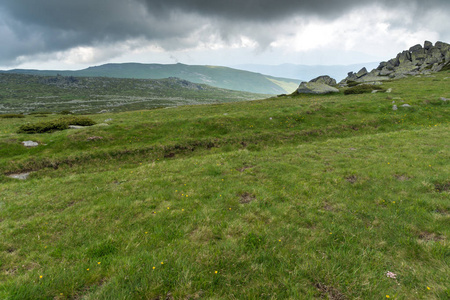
(41, 113)
(11, 116)
(59, 124)
(352, 83)
(363, 88)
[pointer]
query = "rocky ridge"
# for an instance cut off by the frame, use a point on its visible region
(417, 60)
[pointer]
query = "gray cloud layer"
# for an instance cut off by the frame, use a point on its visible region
(29, 27)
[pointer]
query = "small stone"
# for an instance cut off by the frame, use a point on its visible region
(108, 120)
(394, 107)
(393, 102)
(30, 144)
(75, 127)
(20, 176)
(389, 90)
(406, 105)
(225, 114)
(374, 91)
(445, 99)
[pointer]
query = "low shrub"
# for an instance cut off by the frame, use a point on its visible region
(363, 88)
(59, 124)
(11, 116)
(352, 83)
(41, 113)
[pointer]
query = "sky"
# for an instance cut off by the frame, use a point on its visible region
(75, 34)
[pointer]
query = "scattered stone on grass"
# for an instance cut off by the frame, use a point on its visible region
(30, 144)
(445, 99)
(76, 127)
(108, 120)
(20, 176)
(406, 105)
(389, 90)
(394, 107)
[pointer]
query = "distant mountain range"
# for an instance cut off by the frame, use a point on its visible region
(221, 77)
(305, 72)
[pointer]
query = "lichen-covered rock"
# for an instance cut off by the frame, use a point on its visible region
(427, 45)
(362, 72)
(325, 79)
(315, 88)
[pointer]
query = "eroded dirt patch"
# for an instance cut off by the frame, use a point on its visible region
(329, 292)
(402, 177)
(430, 237)
(442, 187)
(246, 198)
(352, 179)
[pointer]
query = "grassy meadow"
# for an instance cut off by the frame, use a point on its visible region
(296, 197)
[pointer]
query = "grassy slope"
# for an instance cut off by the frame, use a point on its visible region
(319, 201)
(27, 93)
(221, 77)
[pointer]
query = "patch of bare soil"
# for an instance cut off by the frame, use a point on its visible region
(442, 187)
(430, 237)
(330, 292)
(246, 198)
(352, 179)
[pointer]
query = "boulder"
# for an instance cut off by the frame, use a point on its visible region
(361, 72)
(315, 88)
(427, 45)
(414, 48)
(325, 79)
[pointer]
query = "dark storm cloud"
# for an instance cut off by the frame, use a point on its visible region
(30, 27)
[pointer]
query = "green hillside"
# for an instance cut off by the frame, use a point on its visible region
(20, 93)
(221, 77)
(296, 197)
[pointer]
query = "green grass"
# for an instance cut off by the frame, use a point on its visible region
(295, 197)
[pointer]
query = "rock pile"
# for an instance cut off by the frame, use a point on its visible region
(417, 60)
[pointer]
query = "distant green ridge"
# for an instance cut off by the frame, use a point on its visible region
(222, 77)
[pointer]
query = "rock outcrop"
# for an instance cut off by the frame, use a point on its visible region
(417, 60)
(319, 85)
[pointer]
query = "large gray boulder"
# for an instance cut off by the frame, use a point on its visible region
(414, 48)
(315, 88)
(362, 72)
(325, 79)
